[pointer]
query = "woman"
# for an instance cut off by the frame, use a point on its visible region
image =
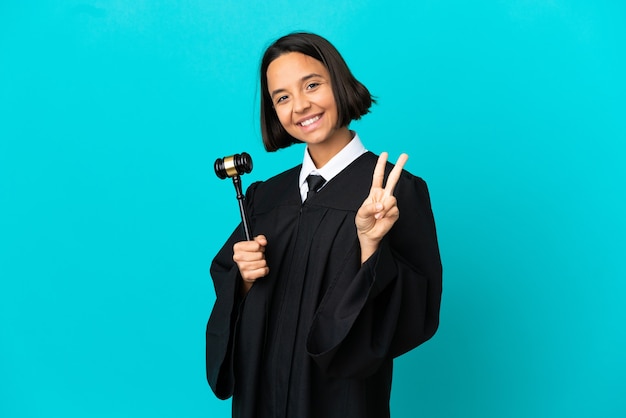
(344, 272)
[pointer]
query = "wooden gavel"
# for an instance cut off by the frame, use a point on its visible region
(233, 166)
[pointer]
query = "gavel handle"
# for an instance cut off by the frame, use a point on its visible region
(242, 208)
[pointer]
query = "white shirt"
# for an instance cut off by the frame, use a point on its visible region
(353, 150)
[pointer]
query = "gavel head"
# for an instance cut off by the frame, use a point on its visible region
(233, 165)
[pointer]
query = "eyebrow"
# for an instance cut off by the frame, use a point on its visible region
(305, 78)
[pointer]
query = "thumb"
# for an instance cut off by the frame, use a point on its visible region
(261, 240)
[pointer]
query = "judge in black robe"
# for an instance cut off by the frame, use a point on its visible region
(317, 336)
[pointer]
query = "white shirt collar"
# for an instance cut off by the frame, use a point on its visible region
(353, 150)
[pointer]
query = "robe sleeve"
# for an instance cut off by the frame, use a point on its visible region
(221, 331)
(392, 303)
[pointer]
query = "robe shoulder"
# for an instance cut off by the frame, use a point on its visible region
(282, 189)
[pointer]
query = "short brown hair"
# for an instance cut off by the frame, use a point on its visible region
(353, 98)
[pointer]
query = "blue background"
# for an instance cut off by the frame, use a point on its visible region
(112, 113)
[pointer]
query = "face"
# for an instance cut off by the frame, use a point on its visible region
(302, 95)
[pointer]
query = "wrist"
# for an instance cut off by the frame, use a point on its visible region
(368, 248)
(245, 287)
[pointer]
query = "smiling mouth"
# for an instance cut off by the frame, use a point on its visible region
(309, 121)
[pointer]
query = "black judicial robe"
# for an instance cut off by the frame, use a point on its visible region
(317, 336)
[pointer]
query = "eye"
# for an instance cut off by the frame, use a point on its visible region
(281, 99)
(311, 86)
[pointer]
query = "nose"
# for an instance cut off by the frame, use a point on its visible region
(300, 103)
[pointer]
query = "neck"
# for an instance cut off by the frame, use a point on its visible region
(324, 152)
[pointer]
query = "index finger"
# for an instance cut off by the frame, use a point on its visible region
(394, 176)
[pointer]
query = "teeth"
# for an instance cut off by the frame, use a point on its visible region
(309, 121)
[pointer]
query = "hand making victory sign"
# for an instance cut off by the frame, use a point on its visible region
(379, 211)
